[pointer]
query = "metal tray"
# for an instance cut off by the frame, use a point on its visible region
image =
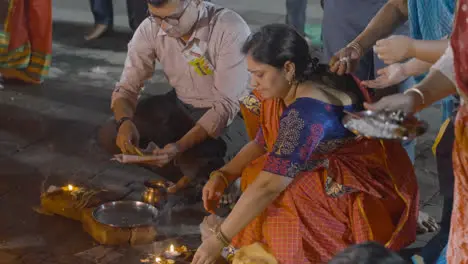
(400, 126)
(125, 214)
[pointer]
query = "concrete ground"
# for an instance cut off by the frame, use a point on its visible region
(47, 136)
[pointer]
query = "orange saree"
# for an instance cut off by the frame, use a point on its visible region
(457, 251)
(25, 39)
(366, 191)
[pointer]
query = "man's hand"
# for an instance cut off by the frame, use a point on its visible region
(394, 49)
(388, 76)
(165, 155)
(345, 61)
(128, 137)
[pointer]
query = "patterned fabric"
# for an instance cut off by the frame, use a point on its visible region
(25, 39)
(457, 251)
(345, 191)
(459, 41)
(304, 125)
(424, 26)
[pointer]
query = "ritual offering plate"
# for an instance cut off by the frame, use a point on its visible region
(125, 214)
(384, 125)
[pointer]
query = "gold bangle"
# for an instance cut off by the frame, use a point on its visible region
(416, 90)
(218, 173)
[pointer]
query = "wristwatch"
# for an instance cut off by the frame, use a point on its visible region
(121, 121)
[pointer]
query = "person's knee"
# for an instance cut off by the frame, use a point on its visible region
(106, 137)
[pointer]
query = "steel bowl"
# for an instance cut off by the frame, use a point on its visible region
(400, 126)
(125, 214)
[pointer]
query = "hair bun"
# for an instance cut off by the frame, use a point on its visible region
(312, 66)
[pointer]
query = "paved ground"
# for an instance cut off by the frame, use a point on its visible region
(47, 136)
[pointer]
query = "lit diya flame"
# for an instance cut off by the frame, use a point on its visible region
(70, 187)
(157, 260)
(172, 253)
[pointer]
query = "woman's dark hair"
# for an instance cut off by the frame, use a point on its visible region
(367, 253)
(157, 3)
(275, 44)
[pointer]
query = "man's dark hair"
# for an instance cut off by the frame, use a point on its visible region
(157, 3)
(367, 253)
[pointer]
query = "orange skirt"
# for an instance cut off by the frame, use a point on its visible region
(457, 252)
(310, 221)
(25, 39)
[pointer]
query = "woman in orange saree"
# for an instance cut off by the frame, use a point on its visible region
(25, 39)
(310, 188)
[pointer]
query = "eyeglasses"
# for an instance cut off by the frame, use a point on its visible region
(173, 19)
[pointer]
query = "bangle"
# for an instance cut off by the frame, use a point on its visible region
(416, 90)
(222, 238)
(121, 121)
(357, 47)
(218, 173)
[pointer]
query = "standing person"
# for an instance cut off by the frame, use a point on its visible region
(198, 46)
(25, 39)
(103, 13)
(342, 22)
(445, 80)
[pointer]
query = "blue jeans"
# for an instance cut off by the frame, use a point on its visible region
(296, 14)
(103, 12)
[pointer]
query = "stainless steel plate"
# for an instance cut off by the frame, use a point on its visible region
(125, 214)
(384, 125)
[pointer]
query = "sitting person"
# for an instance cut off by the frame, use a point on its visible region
(198, 46)
(310, 187)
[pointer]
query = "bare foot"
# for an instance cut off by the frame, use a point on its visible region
(180, 185)
(97, 32)
(426, 223)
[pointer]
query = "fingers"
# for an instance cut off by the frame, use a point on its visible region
(378, 83)
(334, 64)
(378, 106)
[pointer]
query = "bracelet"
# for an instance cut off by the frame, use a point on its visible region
(222, 238)
(357, 47)
(218, 173)
(416, 90)
(121, 121)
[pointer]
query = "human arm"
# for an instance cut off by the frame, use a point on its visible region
(397, 73)
(390, 16)
(438, 84)
(139, 66)
(398, 48)
(233, 169)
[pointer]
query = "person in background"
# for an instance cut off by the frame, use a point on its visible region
(209, 76)
(447, 77)
(428, 52)
(296, 16)
(367, 253)
(394, 13)
(25, 40)
(103, 13)
(310, 188)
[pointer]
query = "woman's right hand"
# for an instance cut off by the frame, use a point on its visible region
(212, 192)
(128, 137)
(388, 76)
